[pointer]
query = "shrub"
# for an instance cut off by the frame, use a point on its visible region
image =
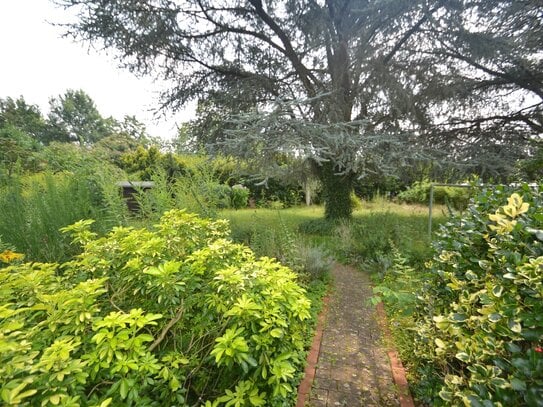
(419, 193)
(274, 190)
(239, 196)
(175, 316)
(278, 242)
(315, 262)
(481, 314)
(197, 191)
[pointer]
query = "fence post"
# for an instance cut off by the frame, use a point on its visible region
(430, 212)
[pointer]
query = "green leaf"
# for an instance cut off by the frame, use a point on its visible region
(55, 399)
(218, 352)
(512, 347)
(257, 400)
(499, 382)
(174, 383)
(494, 317)
(440, 343)
(470, 275)
(456, 317)
(522, 364)
(276, 333)
(446, 395)
(497, 290)
(517, 384)
(99, 337)
(463, 356)
(124, 388)
(441, 322)
(515, 327)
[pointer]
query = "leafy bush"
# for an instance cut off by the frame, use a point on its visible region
(398, 285)
(315, 262)
(419, 193)
(198, 191)
(239, 196)
(175, 316)
(287, 193)
(278, 242)
(480, 317)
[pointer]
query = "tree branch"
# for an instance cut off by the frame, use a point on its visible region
(238, 30)
(304, 74)
(166, 329)
(503, 75)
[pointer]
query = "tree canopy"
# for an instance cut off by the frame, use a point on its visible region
(74, 117)
(341, 82)
(484, 82)
(27, 118)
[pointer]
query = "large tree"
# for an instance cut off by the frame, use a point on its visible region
(342, 82)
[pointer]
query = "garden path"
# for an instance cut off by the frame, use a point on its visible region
(352, 368)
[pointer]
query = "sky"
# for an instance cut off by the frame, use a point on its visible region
(37, 63)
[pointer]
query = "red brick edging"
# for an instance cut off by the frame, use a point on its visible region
(312, 358)
(398, 371)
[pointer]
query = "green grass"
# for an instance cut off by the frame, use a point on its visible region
(244, 219)
(364, 240)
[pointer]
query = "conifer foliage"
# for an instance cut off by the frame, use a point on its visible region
(341, 82)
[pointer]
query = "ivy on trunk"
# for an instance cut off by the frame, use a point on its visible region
(337, 190)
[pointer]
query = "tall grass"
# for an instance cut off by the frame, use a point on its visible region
(274, 233)
(34, 208)
(198, 191)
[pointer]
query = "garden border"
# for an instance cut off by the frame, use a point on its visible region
(304, 389)
(398, 371)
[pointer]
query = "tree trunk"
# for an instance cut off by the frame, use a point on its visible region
(336, 192)
(307, 189)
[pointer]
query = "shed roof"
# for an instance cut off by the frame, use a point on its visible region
(136, 184)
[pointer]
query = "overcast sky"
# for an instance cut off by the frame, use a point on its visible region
(38, 64)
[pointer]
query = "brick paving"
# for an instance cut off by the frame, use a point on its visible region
(353, 368)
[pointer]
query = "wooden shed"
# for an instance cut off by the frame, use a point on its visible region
(129, 190)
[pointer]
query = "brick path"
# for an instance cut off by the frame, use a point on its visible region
(353, 368)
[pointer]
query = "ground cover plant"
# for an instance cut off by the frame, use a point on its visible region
(177, 315)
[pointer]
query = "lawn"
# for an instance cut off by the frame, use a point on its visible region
(375, 226)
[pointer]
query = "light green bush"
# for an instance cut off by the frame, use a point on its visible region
(175, 316)
(239, 196)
